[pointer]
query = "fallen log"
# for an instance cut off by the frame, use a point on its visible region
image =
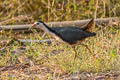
(48, 41)
(78, 23)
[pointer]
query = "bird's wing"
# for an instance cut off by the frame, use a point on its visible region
(59, 29)
(72, 34)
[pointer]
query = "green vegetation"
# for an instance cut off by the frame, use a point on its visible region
(55, 61)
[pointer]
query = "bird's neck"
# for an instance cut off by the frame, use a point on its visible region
(53, 33)
(47, 29)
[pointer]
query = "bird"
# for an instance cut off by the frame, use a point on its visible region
(70, 35)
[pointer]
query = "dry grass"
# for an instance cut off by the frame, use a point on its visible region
(20, 12)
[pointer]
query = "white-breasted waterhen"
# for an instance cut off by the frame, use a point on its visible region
(70, 35)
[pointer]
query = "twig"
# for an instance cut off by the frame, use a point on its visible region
(96, 6)
(15, 66)
(41, 41)
(48, 41)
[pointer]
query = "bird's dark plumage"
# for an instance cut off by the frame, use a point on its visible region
(72, 34)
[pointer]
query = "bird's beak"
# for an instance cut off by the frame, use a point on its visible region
(34, 25)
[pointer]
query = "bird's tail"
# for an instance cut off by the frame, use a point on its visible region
(89, 25)
(93, 34)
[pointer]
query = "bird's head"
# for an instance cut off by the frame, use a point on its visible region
(39, 24)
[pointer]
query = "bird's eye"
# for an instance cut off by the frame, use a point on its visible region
(37, 23)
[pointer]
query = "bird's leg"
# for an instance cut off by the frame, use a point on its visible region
(93, 58)
(75, 52)
(87, 48)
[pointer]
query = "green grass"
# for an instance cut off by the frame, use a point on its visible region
(105, 46)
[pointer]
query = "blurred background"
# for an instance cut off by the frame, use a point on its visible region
(27, 11)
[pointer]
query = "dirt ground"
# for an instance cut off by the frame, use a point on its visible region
(41, 72)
